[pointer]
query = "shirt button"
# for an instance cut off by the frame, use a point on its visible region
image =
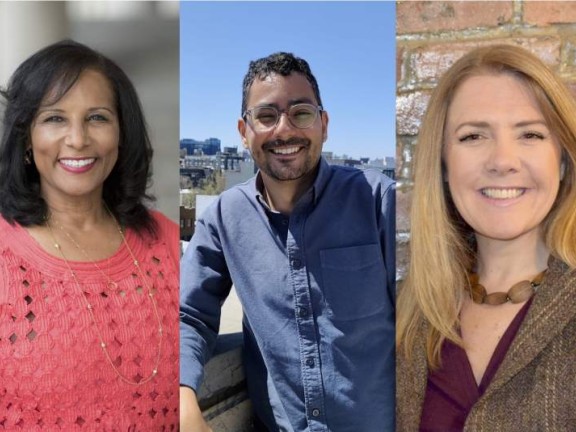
(302, 312)
(315, 412)
(310, 362)
(296, 263)
(284, 222)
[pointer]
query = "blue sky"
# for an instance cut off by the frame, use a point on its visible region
(350, 47)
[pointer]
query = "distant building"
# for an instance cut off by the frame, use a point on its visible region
(208, 147)
(245, 170)
(389, 172)
(187, 218)
(386, 165)
(211, 162)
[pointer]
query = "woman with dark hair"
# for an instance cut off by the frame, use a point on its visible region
(88, 274)
(486, 318)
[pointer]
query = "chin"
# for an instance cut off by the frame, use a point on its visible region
(508, 235)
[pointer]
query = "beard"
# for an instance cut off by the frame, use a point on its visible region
(290, 169)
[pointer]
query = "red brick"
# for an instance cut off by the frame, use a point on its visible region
(429, 62)
(402, 258)
(549, 12)
(404, 156)
(572, 87)
(399, 61)
(403, 200)
(410, 108)
(433, 16)
(569, 56)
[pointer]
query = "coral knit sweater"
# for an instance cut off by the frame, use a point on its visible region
(54, 374)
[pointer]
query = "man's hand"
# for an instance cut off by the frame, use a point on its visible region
(191, 419)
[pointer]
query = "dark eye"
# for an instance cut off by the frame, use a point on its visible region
(533, 135)
(469, 137)
(53, 119)
(302, 114)
(265, 116)
(97, 118)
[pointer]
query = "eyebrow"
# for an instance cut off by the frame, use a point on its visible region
(59, 110)
(291, 102)
(301, 100)
(483, 124)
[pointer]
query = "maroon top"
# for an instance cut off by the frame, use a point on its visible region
(452, 391)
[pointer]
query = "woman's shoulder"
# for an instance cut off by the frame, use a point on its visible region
(9, 232)
(11, 240)
(166, 227)
(167, 233)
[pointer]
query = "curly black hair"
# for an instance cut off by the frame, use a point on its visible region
(281, 63)
(54, 70)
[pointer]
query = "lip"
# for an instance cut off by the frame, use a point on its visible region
(77, 165)
(503, 196)
(287, 151)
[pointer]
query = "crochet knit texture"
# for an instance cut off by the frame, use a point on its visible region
(53, 372)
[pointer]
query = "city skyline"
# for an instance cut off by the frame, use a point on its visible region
(350, 48)
(208, 147)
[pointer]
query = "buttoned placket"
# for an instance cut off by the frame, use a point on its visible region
(304, 314)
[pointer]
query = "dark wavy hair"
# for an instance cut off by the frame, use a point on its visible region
(53, 71)
(281, 63)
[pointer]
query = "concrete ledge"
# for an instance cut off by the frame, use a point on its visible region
(223, 397)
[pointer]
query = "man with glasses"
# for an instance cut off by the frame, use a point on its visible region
(309, 248)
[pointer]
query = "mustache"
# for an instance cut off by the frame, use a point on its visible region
(269, 145)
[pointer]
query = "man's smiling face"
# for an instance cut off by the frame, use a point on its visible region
(284, 152)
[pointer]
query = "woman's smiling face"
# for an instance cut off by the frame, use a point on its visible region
(502, 160)
(75, 139)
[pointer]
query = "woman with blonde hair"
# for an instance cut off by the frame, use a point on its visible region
(486, 318)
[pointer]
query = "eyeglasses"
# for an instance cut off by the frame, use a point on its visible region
(264, 118)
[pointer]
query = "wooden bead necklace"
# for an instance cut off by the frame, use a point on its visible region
(112, 284)
(518, 293)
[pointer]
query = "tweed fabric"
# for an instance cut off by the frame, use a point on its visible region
(535, 387)
(53, 372)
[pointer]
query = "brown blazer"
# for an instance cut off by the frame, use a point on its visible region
(535, 387)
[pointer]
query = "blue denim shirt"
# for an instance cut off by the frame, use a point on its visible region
(317, 290)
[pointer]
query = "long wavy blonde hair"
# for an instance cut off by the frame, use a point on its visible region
(442, 250)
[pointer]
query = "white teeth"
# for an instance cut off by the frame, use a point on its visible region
(77, 163)
(502, 193)
(286, 150)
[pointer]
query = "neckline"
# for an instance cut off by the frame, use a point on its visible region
(499, 353)
(118, 265)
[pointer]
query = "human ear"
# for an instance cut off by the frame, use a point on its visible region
(324, 119)
(242, 132)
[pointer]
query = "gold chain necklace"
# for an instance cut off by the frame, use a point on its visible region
(518, 293)
(90, 309)
(111, 284)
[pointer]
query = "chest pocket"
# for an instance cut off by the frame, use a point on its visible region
(354, 281)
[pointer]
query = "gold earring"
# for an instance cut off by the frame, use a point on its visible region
(28, 157)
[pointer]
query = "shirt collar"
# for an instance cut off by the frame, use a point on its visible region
(317, 188)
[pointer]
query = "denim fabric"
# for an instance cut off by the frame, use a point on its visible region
(317, 290)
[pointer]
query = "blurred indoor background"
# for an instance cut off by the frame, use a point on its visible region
(141, 36)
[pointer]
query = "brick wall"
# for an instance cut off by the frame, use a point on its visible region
(432, 35)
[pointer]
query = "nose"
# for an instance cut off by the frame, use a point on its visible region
(284, 128)
(504, 156)
(77, 136)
